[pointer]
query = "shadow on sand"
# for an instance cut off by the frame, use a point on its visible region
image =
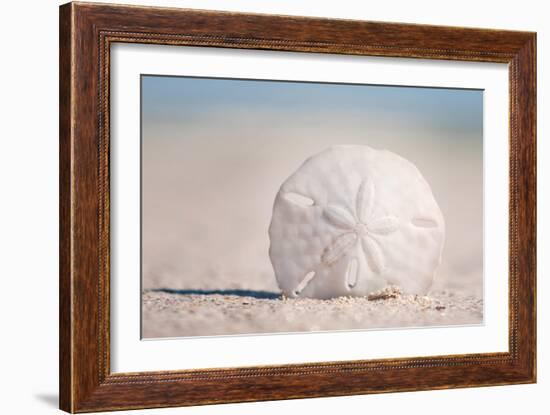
(264, 295)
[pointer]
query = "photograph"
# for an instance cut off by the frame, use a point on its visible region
(277, 206)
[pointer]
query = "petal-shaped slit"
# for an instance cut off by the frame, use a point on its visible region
(384, 225)
(374, 255)
(422, 222)
(298, 199)
(303, 284)
(339, 217)
(338, 247)
(352, 273)
(365, 200)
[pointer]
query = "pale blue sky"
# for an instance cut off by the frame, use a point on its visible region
(166, 99)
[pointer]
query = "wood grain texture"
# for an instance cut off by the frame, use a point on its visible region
(86, 33)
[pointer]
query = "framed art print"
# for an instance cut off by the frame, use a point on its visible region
(261, 207)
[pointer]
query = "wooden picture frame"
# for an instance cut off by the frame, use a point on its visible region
(86, 33)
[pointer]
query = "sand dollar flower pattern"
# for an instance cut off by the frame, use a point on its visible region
(359, 225)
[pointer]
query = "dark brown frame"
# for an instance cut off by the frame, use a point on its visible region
(86, 33)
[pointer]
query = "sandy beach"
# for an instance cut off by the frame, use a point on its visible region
(193, 266)
(167, 313)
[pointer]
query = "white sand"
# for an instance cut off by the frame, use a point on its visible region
(175, 314)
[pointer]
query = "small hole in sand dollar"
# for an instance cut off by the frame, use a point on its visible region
(299, 199)
(424, 222)
(352, 273)
(305, 281)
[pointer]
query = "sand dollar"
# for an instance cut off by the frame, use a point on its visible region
(353, 220)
